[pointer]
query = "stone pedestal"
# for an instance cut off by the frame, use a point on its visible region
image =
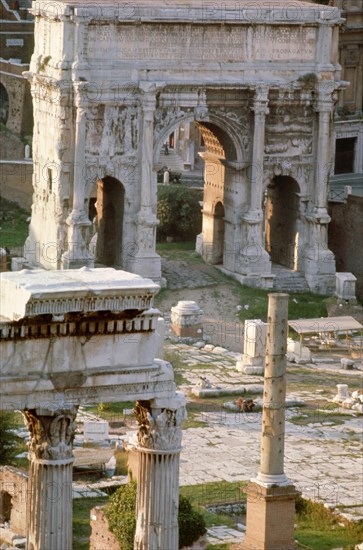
(49, 520)
(342, 394)
(270, 517)
(186, 319)
(254, 347)
(345, 287)
(159, 446)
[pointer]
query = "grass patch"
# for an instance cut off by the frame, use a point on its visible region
(215, 492)
(318, 416)
(13, 223)
(81, 520)
(112, 412)
(165, 248)
(178, 367)
(301, 306)
(320, 529)
(224, 546)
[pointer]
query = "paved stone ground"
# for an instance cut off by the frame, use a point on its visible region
(323, 459)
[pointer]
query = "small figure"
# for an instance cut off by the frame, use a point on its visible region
(166, 149)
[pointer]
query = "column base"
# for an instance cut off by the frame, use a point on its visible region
(147, 265)
(68, 262)
(270, 517)
(319, 270)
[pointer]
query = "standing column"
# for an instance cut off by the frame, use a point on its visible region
(319, 261)
(254, 259)
(49, 510)
(271, 497)
(274, 394)
(146, 262)
(159, 446)
(261, 110)
(77, 254)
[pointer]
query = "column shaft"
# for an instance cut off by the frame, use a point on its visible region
(260, 110)
(157, 508)
(148, 108)
(323, 159)
(79, 163)
(273, 414)
(50, 505)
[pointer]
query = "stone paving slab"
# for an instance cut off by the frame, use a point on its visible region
(221, 534)
(229, 449)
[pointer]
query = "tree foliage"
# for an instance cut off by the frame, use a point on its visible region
(179, 212)
(9, 442)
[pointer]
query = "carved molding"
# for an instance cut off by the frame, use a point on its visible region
(51, 433)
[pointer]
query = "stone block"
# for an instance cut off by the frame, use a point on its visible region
(254, 347)
(299, 353)
(96, 431)
(347, 364)
(345, 286)
(160, 335)
(342, 394)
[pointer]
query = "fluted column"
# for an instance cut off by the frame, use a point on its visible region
(318, 259)
(148, 110)
(78, 223)
(254, 258)
(146, 261)
(49, 521)
(261, 110)
(159, 446)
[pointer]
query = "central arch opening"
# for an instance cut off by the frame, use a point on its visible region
(109, 221)
(203, 146)
(282, 209)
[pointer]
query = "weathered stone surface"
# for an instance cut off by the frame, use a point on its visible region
(128, 85)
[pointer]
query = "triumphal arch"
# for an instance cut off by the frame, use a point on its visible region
(110, 82)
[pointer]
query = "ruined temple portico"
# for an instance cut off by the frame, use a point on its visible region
(80, 336)
(111, 82)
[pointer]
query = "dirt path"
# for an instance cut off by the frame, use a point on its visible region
(216, 295)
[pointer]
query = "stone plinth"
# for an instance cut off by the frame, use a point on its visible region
(345, 286)
(342, 394)
(186, 319)
(270, 517)
(96, 431)
(254, 347)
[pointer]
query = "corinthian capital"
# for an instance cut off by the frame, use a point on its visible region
(160, 423)
(51, 432)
